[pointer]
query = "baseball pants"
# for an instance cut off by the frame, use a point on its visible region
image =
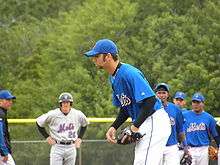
(157, 129)
(62, 154)
(171, 155)
(199, 155)
(9, 162)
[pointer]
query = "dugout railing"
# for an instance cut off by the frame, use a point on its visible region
(29, 148)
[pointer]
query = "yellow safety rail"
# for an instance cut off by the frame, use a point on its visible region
(91, 120)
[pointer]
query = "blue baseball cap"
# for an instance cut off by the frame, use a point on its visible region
(5, 94)
(198, 97)
(103, 46)
(162, 86)
(180, 95)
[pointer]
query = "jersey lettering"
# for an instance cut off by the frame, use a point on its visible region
(124, 100)
(196, 127)
(172, 121)
(63, 127)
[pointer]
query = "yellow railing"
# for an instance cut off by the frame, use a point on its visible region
(91, 120)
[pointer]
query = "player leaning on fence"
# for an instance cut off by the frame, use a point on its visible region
(135, 98)
(6, 100)
(67, 127)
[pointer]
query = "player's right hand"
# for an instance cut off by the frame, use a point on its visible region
(50, 140)
(110, 135)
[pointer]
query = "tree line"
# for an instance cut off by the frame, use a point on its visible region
(42, 45)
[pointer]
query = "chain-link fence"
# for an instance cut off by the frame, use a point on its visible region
(29, 148)
(92, 152)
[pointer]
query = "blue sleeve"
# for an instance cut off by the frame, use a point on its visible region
(180, 121)
(141, 87)
(115, 100)
(3, 148)
(212, 127)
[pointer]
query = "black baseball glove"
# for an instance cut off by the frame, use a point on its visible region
(127, 136)
(186, 159)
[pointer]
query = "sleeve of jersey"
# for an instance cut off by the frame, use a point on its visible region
(180, 121)
(140, 86)
(3, 148)
(83, 120)
(212, 127)
(115, 101)
(41, 120)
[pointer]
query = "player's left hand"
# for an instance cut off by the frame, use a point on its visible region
(50, 140)
(78, 142)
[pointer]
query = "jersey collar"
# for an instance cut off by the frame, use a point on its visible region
(116, 70)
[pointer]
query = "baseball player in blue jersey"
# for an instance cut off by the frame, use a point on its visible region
(179, 99)
(171, 152)
(218, 130)
(199, 125)
(136, 99)
(6, 101)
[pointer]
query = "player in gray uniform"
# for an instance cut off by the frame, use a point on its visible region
(66, 128)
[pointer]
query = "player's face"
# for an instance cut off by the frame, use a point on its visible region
(163, 95)
(179, 102)
(99, 60)
(6, 104)
(197, 106)
(65, 106)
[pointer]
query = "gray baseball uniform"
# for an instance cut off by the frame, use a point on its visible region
(63, 129)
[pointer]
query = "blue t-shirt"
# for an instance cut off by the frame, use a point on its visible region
(3, 147)
(130, 87)
(176, 120)
(198, 128)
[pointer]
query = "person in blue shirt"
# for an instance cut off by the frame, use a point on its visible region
(199, 126)
(132, 94)
(179, 100)
(6, 101)
(171, 153)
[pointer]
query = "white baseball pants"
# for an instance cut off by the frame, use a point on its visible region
(62, 154)
(171, 155)
(199, 155)
(149, 150)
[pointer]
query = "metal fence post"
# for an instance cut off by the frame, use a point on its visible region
(80, 156)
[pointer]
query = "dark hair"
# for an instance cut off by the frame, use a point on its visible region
(115, 57)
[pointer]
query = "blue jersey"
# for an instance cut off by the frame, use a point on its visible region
(198, 128)
(5, 147)
(176, 120)
(130, 87)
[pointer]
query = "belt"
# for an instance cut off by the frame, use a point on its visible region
(65, 143)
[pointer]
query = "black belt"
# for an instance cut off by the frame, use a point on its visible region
(65, 143)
